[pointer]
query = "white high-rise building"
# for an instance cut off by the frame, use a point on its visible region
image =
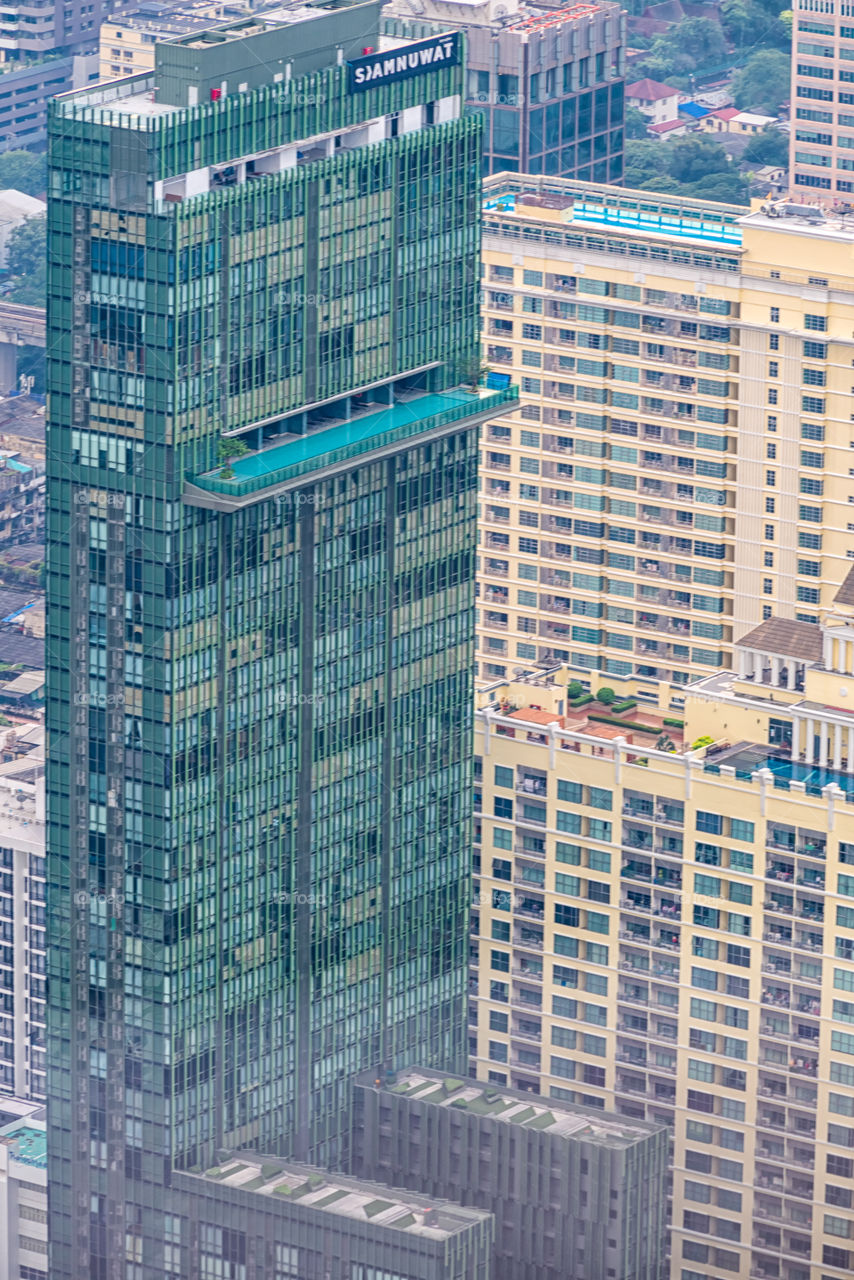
(22, 924)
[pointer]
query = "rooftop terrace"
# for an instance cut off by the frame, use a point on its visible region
(585, 204)
(28, 1145)
(347, 1197)
(560, 1119)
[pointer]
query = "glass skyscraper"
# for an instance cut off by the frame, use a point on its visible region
(263, 287)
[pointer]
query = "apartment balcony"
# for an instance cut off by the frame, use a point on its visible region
(527, 851)
(527, 943)
(629, 1029)
(636, 811)
(532, 786)
(631, 1060)
(777, 997)
(498, 569)
(637, 938)
(632, 996)
(634, 1086)
(532, 1035)
(526, 1000)
(667, 973)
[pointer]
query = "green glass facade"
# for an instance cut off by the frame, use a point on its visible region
(259, 686)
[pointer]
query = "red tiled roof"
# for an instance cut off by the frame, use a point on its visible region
(667, 125)
(725, 113)
(650, 90)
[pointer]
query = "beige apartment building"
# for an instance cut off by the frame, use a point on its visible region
(128, 37)
(821, 143)
(681, 464)
(664, 922)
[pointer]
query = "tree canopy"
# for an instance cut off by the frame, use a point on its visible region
(768, 147)
(27, 262)
(23, 171)
(689, 166)
(692, 43)
(763, 82)
(636, 123)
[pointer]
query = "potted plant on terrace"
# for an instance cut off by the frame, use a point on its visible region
(227, 451)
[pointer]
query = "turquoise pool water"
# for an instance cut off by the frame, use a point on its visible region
(640, 220)
(785, 771)
(346, 433)
(664, 223)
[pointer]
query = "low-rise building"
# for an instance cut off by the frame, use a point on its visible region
(22, 494)
(314, 1225)
(658, 101)
(573, 1192)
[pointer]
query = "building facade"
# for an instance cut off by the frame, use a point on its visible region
(678, 467)
(574, 1193)
(663, 927)
(23, 1191)
(821, 142)
(24, 90)
(127, 38)
(22, 921)
(261, 529)
(548, 80)
(300, 1222)
(29, 31)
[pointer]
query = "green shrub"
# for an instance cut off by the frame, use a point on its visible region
(606, 696)
(582, 701)
(674, 724)
(574, 689)
(625, 724)
(627, 704)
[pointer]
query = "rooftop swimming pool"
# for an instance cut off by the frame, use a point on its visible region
(659, 222)
(328, 439)
(388, 426)
(747, 761)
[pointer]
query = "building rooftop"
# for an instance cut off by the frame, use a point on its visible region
(667, 126)
(803, 219)
(650, 90)
(255, 25)
(27, 1144)
(511, 1106)
(583, 204)
(352, 1198)
(787, 638)
(845, 594)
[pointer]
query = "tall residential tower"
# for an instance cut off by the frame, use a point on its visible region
(263, 297)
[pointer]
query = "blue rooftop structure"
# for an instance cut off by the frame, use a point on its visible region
(693, 109)
(28, 1144)
(587, 204)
